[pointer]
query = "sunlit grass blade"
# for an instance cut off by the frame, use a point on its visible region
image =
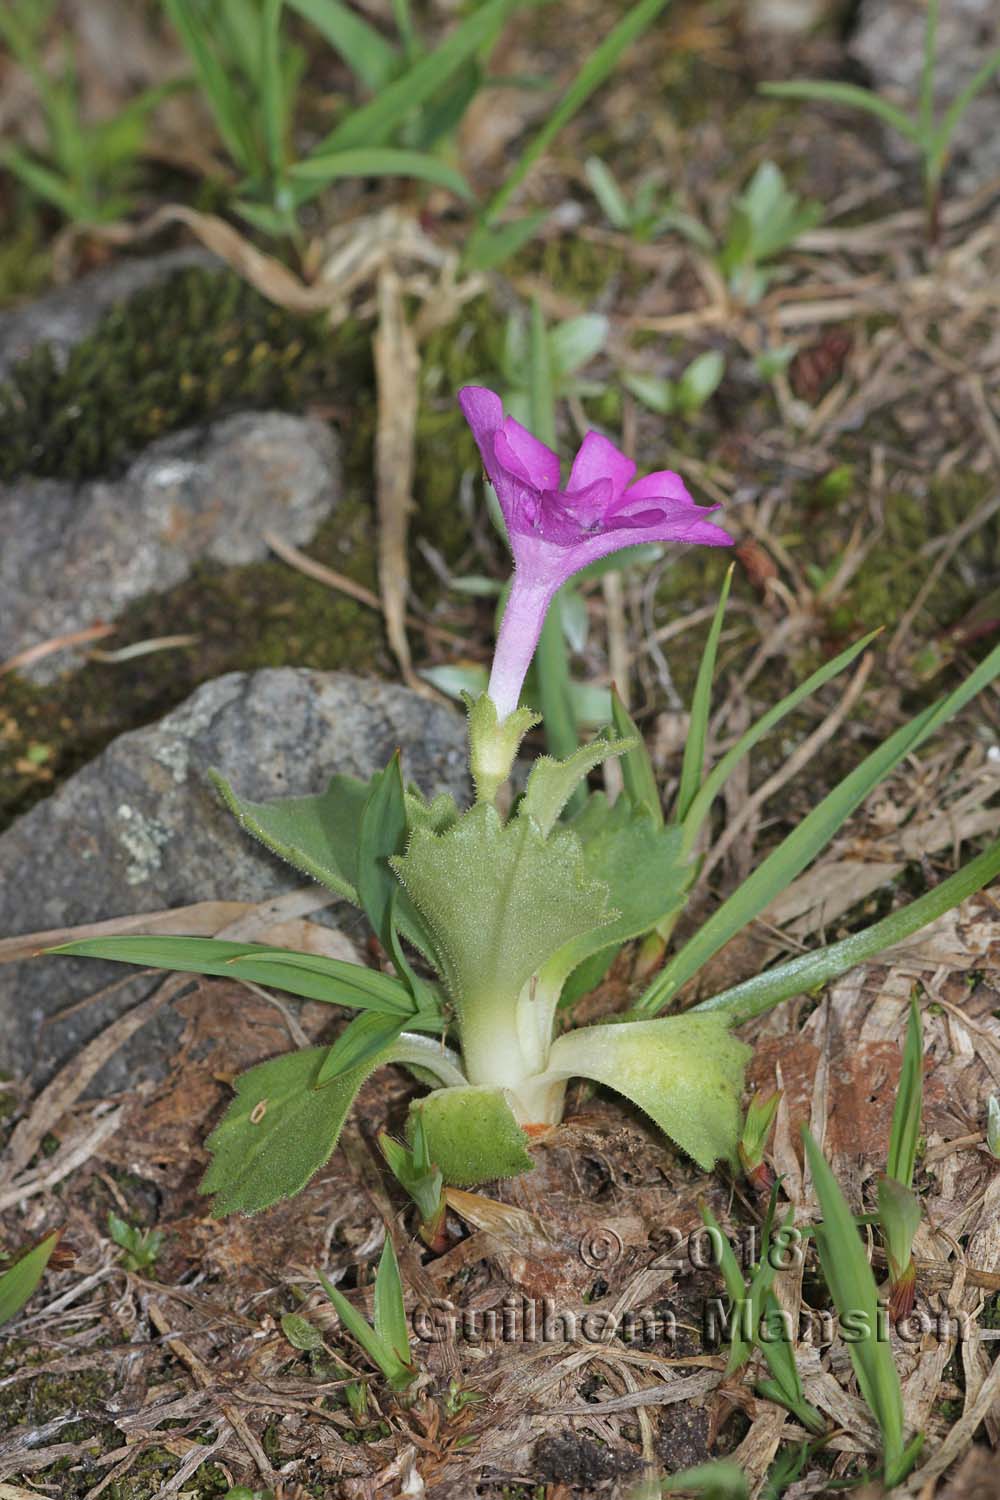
(379, 161)
(309, 975)
(802, 845)
(855, 1297)
(723, 768)
(818, 91)
(21, 1279)
(601, 63)
(364, 50)
(701, 707)
(374, 123)
(810, 970)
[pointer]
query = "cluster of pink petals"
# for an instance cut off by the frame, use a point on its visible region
(555, 532)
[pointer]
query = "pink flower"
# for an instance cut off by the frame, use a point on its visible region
(555, 532)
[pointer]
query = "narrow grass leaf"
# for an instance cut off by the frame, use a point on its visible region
(364, 50)
(21, 1279)
(374, 123)
(693, 765)
(723, 769)
(379, 161)
(905, 1131)
(601, 63)
(811, 835)
(390, 1310)
(855, 1297)
(850, 94)
(309, 975)
(810, 970)
(637, 768)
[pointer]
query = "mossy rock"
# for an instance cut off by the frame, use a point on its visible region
(193, 347)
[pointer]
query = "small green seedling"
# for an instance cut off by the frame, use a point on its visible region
(767, 219)
(642, 216)
(141, 1246)
(459, 1397)
(413, 1169)
(684, 396)
(855, 1297)
(898, 1204)
(758, 1321)
(568, 347)
(21, 1279)
(931, 135)
(760, 1116)
(387, 1344)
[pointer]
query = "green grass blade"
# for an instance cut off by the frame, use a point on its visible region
(20, 1280)
(905, 1131)
(805, 842)
(380, 161)
(926, 107)
(637, 768)
(855, 1296)
(361, 1040)
(390, 1310)
(361, 1332)
(374, 123)
(941, 139)
(272, 85)
(810, 970)
(222, 98)
(308, 975)
(816, 91)
(364, 50)
(723, 769)
(739, 1348)
(602, 62)
(43, 182)
(701, 707)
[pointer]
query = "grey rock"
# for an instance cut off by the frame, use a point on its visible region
(141, 829)
(888, 41)
(75, 554)
(65, 317)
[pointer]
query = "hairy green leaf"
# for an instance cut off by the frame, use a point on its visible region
(472, 1135)
(686, 1075)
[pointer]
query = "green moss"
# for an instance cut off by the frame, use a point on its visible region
(195, 346)
(898, 566)
(25, 261)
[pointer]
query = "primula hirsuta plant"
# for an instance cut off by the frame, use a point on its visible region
(514, 912)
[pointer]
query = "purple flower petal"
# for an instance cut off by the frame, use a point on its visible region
(555, 532)
(534, 460)
(598, 458)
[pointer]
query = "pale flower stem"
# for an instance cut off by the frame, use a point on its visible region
(516, 642)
